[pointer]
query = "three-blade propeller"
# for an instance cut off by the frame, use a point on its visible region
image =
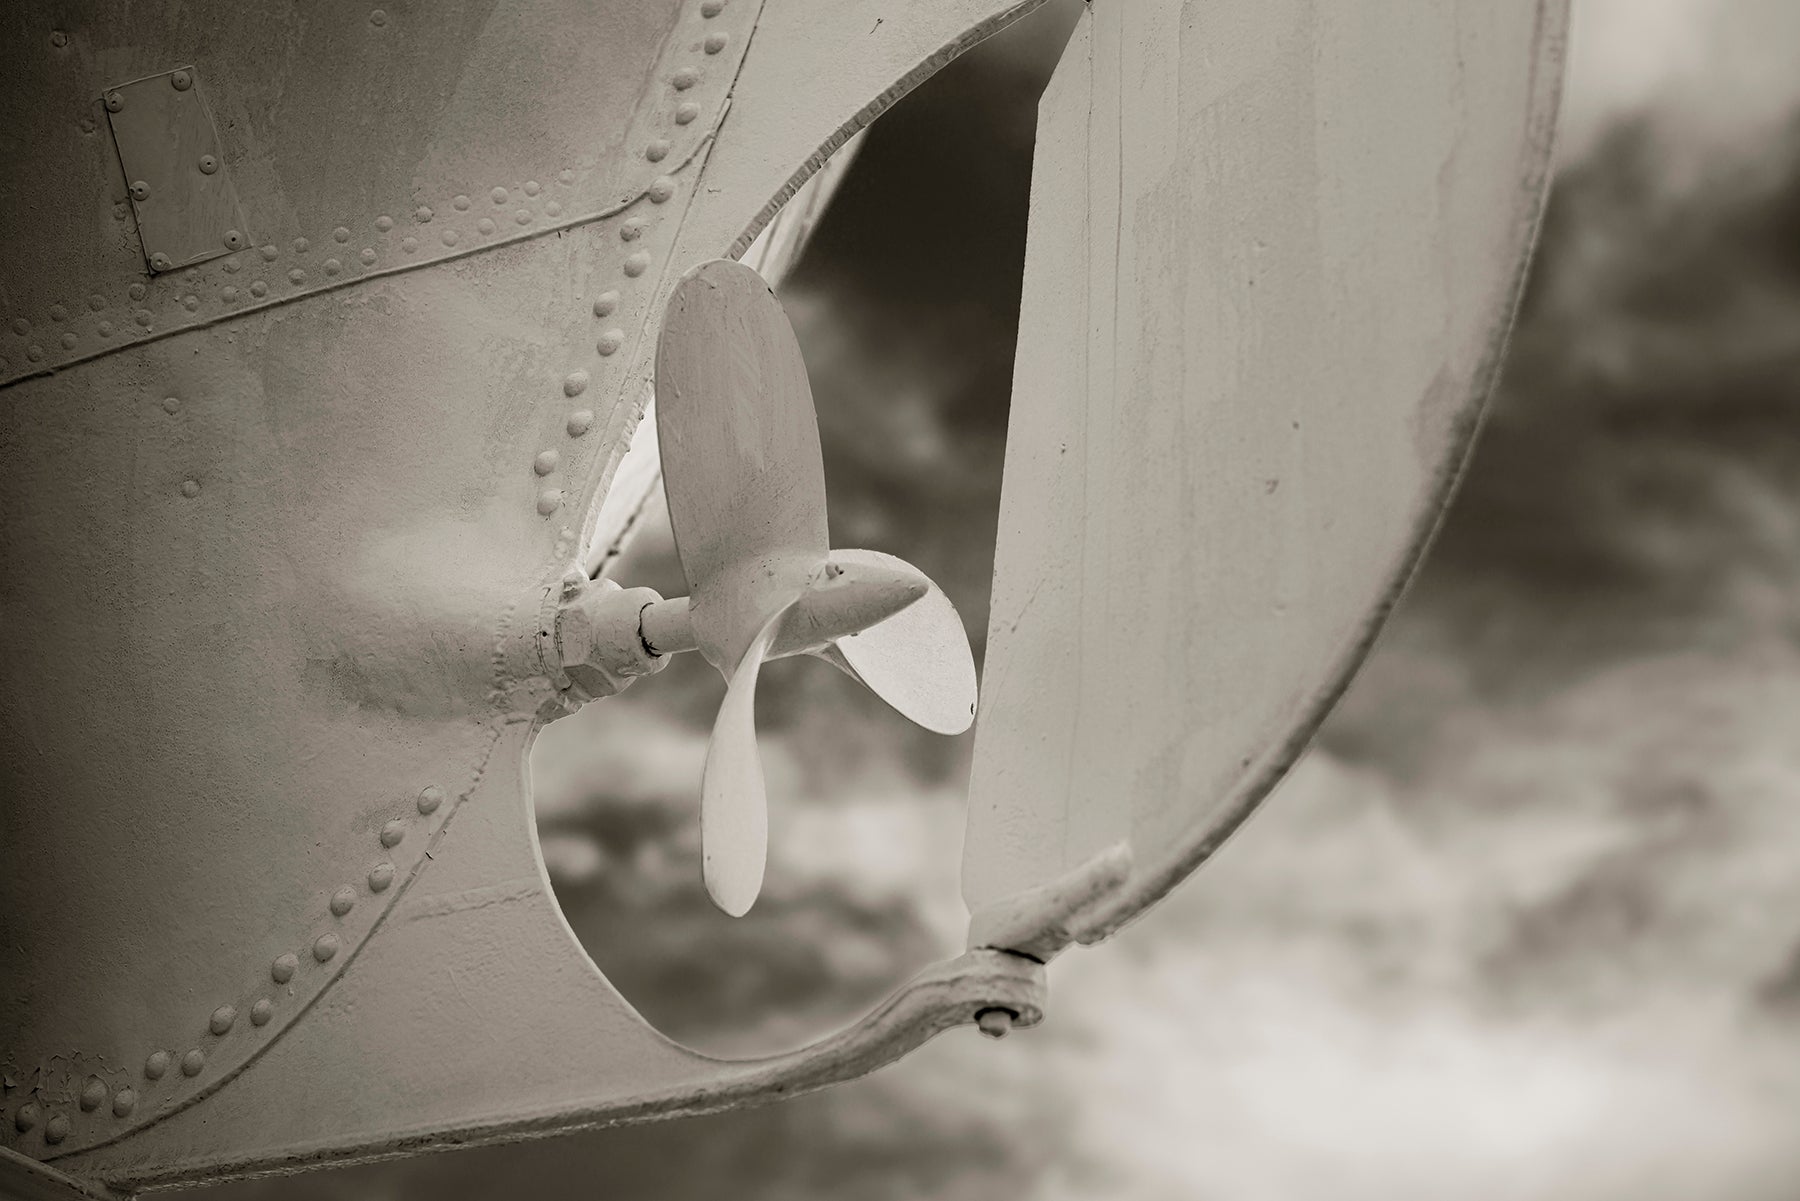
(746, 488)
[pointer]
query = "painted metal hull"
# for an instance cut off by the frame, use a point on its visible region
(282, 530)
(285, 524)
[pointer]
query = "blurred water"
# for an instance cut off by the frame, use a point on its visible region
(1526, 923)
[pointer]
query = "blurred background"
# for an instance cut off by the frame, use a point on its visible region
(1526, 921)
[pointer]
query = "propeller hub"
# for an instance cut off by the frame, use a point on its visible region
(843, 598)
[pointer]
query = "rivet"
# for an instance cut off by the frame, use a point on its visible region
(380, 876)
(343, 901)
(580, 421)
(261, 1012)
(450, 237)
(232, 266)
(632, 229)
(58, 38)
(523, 216)
(140, 190)
(104, 329)
(223, 1019)
(93, 1094)
(340, 235)
(182, 81)
(208, 164)
(553, 208)
(160, 261)
(136, 292)
(422, 214)
(685, 78)
(378, 17)
(635, 265)
(532, 187)
(711, 8)
(87, 125)
(661, 188)
(124, 1101)
(461, 203)
(333, 266)
(157, 1065)
(575, 383)
(546, 462)
(190, 302)
(68, 341)
(392, 833)
(268, 251)
(259, 288)
(56, 1129)
(142, 317)
(296, 276)
(384, 223)
(715, 42)
(610, 341)
(686, 112)
(234, 240)
(430, 798)
(367, 255)
(58, 313)
(190, 488)
(565, 176)
(114, 102)
(409, 244)
(192, 1062)
(324, 947)
(284, 967)
(171, 404)
(485, 225)
(27, 1117)
(605, 303)
(499, 195)
(301, 246)
(21, 326)
(549, 501)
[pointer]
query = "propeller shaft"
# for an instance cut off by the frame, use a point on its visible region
(667, 626)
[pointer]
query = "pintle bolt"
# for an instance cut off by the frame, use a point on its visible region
(995, 1023)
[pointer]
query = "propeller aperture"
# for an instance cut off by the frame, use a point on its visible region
(745, 481)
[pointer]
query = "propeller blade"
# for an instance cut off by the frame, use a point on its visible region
(740, 454)
(918, 660)
(734, 800)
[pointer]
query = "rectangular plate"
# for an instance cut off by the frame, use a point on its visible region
(174, 169)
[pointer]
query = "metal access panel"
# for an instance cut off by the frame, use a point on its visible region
(187, 210)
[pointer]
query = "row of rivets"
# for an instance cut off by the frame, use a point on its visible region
(259, 288)
(660, 190)
(282, 970)
(611, 340)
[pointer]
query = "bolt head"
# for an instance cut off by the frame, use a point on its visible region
(161, 261)
(995, 1023)
(114, 102)
(140, 190)
(208, 164)
(182, 81)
